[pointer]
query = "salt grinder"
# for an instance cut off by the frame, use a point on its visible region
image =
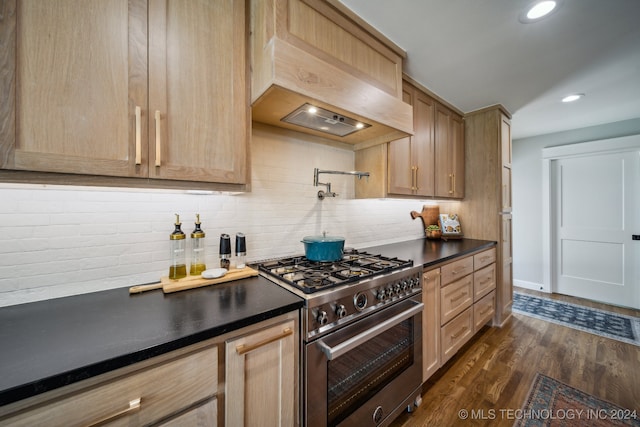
(241, 250)
(225, 251)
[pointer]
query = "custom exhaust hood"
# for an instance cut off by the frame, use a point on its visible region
(318, 68)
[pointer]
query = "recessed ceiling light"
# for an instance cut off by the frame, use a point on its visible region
(537, 10)
(573, 97)
(541, 9)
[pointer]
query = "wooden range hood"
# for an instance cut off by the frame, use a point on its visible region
(320, 53)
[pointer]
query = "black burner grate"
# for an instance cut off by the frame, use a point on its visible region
(311, 277)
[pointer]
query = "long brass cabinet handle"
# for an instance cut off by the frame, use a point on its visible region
(138, 135)
(451, 183)
(158, 139)
(413, 178)
(244, 349)
(415, 172)
(134, 405)
(454, 183)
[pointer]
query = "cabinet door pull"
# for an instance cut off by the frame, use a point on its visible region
(243, 349)
(158, 141)
(454, 183)
(415, 172)
(134, 405)
(413, 178)
(138, 135)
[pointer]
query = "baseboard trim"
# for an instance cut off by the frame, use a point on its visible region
(530, 285)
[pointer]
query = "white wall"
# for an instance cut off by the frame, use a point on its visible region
(59, 241)
(527, 193)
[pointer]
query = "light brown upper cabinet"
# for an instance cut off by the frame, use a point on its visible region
(411, 159)
(449, 157)
(428, 164)
(125, 89)
(319, 52)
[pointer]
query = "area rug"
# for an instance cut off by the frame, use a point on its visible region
(604, 323)
(552, 403)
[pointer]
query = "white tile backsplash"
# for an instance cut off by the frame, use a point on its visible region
(57, 241)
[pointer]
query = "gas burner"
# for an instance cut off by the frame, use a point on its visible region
(315, 277)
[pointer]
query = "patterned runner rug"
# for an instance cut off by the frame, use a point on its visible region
(553, 403)
(599, 322)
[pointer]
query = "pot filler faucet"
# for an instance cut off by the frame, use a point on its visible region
(322, 194)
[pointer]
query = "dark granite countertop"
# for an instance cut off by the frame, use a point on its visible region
(53, 343)
(430, 252)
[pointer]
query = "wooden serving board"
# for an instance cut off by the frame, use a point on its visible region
(190, 282)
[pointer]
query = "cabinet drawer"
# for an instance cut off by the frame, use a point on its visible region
(484, 258)
(456, 270)
(484, 281)
(456, 333)
(483, 311)
(455, 298)
(162, 390)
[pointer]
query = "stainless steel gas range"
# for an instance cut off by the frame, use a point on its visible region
(362, 336)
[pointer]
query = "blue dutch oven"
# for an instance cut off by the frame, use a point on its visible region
(323, 248)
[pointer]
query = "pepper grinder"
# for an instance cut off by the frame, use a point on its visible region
(225, 251)
(241, 250)
(178, 267)
(197, 250)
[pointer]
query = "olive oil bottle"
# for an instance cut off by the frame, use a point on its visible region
(178, 267)
(197, 250)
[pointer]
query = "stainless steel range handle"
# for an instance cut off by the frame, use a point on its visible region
(353, 342)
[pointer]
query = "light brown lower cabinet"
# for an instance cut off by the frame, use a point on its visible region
(459, 299)
(183, 387)
(261, 378)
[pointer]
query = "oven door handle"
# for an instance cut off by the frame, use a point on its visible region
(353, 342)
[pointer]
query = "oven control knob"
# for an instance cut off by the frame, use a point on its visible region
(416, 282)
(360, 301)
(390, 291)
(381, 295)
(322, 317)
(406, 284)
(341, 311)
(398, 287)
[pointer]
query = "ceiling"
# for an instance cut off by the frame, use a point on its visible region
(476, 53)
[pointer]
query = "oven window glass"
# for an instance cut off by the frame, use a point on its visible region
(358, 375)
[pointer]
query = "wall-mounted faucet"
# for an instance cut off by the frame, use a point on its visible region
(322, 194)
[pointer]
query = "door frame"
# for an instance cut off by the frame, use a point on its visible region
(604, 146)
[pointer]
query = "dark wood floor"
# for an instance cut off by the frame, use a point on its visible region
(496, 368)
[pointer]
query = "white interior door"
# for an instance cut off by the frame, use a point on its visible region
(595, 212)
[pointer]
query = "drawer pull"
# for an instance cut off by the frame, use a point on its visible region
(485, 311)
(138, 135)
(134, 405)
(459, 333)
(462, 295)
(244, 349)
(482, 282)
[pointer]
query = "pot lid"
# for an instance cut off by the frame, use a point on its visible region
(323, 238)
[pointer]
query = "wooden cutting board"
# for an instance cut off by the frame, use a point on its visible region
(190, 282)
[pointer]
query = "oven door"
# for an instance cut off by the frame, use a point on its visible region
(365, 372)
